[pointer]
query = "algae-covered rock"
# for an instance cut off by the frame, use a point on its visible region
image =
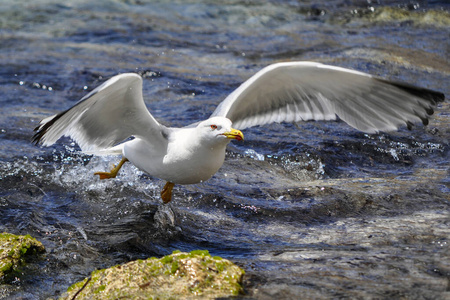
(179, 275)
(13, 250)
(430, 17)
(387, 14)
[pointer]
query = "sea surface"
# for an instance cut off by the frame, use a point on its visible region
(313, 210)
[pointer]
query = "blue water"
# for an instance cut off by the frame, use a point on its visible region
(314, 209)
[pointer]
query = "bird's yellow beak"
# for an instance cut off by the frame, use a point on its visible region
(234, 134)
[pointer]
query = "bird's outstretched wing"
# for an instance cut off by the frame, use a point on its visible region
(301, 91)
(106, 116)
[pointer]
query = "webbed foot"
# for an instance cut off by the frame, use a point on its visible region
(166, 193)
(113, 172)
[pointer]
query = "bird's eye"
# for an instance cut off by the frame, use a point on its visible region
(213, 127)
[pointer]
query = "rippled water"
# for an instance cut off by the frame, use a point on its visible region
(314, 209)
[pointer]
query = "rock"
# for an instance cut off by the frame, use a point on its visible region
(179, 275)
(14, 249)
(397, 15)
(438, 18)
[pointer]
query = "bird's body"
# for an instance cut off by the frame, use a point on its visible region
(282, 92)
(180, 159)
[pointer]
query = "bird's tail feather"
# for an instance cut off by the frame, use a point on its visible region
(116, 150)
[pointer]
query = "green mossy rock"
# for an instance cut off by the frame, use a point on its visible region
(179, 275)
(387, 14)
(14, 249)
(438, 18)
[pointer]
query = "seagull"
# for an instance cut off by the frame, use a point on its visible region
(113, 118)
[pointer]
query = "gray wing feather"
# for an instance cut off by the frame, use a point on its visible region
(108, 115)
(302, 91)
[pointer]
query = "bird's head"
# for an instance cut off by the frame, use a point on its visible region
(219, 130)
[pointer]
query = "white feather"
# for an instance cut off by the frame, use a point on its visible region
(302, 91)
(108, 115)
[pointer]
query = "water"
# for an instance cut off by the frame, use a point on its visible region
(315, 209)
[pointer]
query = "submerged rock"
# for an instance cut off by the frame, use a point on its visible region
(179, 275)
(387, 14)
(438, 18)
(14, 249)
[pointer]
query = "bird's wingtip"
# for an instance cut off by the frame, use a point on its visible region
(41, 130)
(432, 96)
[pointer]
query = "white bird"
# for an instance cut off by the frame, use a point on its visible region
(105, 119)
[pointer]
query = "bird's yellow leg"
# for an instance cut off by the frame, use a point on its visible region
(113, 172)
(166, 193)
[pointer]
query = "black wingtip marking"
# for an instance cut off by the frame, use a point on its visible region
(39, 133)
(409, 125)
(434, 97)
(42, 129)
(36, 138)
(429, 110)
